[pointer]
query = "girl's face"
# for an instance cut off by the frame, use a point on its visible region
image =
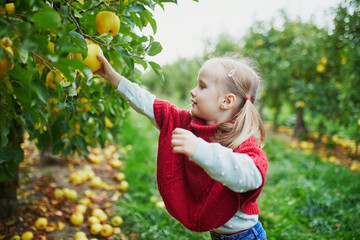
(206, 96)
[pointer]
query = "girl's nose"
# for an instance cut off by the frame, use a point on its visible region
(192, 92)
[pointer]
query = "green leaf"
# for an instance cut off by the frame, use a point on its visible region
(4, 128)
(24, 28)
(71, 90)
(130, 20)
(71, 43)
(40, 90)
(11, 154)
(20, 74)
(135, 8)
(43, 140)
(22, 52)
(65, 67)
(151, 20)
(125, 40)
(154, 48)
(142, 62)
(77, 14)
(58, 147)
(80, 41)
(47, 20)
(106, 38)
(80, 142)
(158, 71)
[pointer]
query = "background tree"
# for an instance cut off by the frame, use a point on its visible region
(343, 48)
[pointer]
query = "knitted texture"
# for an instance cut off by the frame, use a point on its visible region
(190, 195)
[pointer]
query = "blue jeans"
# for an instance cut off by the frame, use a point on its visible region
(256, 232)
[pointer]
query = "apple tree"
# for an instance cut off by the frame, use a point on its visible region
(48, 55)
(343, 47)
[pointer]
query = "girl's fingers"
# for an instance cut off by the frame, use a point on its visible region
(176, 142)
(178, 150)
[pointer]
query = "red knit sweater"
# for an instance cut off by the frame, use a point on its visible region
(190, 195)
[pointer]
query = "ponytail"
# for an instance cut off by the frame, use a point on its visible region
(247, 122)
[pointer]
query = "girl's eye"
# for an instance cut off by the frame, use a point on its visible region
(201, 86)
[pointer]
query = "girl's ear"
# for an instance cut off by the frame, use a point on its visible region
(228, 101)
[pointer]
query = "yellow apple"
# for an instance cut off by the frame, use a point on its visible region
(80, 235)
(77, 219)
(92, 220)
(117, 230)
(91, 60)
(320, 68)
(119, 176)
(116, 221)
(95, 228)
(102, 217)
(10, 7)
(116, 163)
(90, 174)
(95, 158)
(85, 201)
(58, 193)
(124, 185)
(6, 42)
(100, 214)
(50, 80)
(70, 193)
(51, 46)
(96, 212)
(324, 61)
(80, 208)
(160, 204)
(154, 199)
(106, 230)
(5, 63)
(27, 235)
(107, 22)
(41, 223)
(96, 182)
(97, 151)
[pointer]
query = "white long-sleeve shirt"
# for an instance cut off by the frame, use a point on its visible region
(235, 170)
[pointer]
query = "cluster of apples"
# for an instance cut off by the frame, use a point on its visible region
(106, 22)
(5, 63)
(82, 175)
(97, 223)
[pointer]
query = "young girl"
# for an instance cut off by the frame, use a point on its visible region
(210, 168)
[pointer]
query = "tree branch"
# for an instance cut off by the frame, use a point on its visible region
(49, 65)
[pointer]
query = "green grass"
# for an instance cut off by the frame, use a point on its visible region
(303, 198)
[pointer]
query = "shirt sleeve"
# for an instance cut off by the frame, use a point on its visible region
(237, 171)
(138, 98)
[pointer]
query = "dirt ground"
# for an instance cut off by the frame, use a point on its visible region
(36, 197)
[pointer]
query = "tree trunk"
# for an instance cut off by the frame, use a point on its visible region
(8, 197)
(300, 128)
(277, 108)
(318, 141)
(47, 158)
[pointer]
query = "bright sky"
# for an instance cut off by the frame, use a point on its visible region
(183, 28)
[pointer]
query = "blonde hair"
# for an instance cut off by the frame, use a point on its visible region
(239, 78)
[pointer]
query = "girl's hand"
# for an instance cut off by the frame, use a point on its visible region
(107, 72)
(184, 141)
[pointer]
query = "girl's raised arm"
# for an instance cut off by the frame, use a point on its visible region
(138, 98)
